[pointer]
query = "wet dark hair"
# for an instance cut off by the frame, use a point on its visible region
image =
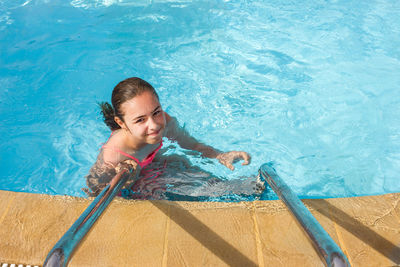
(124, 91)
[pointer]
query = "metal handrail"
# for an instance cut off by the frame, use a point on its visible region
(63, 249)
(321, 240)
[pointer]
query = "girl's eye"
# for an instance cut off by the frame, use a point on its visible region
(157, 112)
(139, 121)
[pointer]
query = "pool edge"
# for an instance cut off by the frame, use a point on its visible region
(163, 233)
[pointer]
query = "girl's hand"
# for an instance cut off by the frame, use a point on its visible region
(126, 163)
(228, 158)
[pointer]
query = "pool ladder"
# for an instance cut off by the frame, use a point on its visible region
(321, 240)
(327, 248)
(63, 249)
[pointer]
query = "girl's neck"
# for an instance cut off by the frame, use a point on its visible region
(130, 143)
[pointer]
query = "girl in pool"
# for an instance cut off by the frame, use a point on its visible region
(138, 124)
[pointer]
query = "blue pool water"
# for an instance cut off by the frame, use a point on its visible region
(312, 86)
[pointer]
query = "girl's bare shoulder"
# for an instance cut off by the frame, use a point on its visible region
(111, 157)
(109, 151)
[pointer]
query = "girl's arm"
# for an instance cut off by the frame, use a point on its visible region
(185, 140)
(104, 169)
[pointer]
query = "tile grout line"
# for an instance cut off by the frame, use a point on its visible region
(394, 210)
(340, 239)
(258, 239)
(165, 248)
(7, 209)
(342, 244)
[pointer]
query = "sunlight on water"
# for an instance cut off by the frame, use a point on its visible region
(312, 87)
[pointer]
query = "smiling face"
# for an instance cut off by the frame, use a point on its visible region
(144, 119)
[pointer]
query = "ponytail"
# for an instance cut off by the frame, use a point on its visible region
(108, 115)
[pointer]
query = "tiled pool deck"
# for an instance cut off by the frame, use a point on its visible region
(161, 233)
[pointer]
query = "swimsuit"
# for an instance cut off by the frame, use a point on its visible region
(147, 175)
(146, 161)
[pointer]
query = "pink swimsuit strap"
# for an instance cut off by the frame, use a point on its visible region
(145, 161)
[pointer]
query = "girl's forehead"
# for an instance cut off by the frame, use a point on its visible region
(140, 105)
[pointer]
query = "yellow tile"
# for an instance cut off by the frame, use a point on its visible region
(319, 208)
(6, 202)
(395, 200)
(211, 234)
(144, 233)
(126, 234)
(33, 225)
(284, 243)
(129, 233)
(369, 229)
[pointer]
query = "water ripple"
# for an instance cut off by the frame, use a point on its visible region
(312, 86)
